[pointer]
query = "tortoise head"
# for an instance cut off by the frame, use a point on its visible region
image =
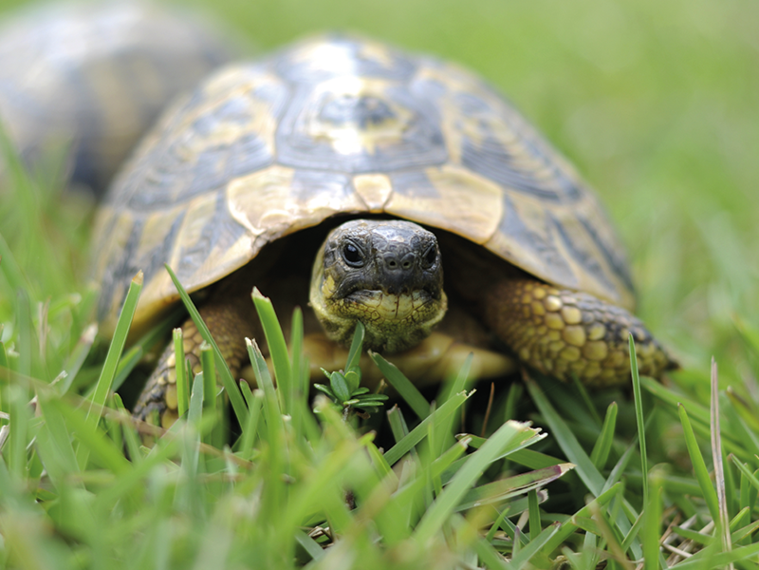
(386, 274)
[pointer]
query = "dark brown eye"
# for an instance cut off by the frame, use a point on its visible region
(429, 257)
(353, 255)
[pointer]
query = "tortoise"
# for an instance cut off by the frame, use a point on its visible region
(95, 77)
(342, 173)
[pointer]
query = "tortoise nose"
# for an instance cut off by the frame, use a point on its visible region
(400, 261)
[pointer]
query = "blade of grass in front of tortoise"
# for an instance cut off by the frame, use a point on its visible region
(183, 383)
(420, 432)
(403, 385)
(108, 372)
(600, 454)
(235, 398)
(699, 465)
(639, 416)
(476, 464)
(275, 339)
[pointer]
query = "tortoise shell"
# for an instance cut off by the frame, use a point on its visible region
(334, 126)
(95, 76)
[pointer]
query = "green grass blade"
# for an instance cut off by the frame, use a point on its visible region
(633, 533)
(272, 411)
(697, 537)
(740, 416)
(308, 544)
(723, 521)
(533, 459)
(476, 442)
(503, 489)
(746, 492)
(699, 466)
(277, 448)
(233, 392)
(707, 558)
(600, 454)
(583, 391)
(568, 528)
(190, 461)
(296, 349)
(534, 514)
(277, 350)
(446, 502)
(403, 385)
(209, 376)
(129, 434)
(619, 468)
(593, 480)
(746, 472)
(397, 422)
(127, 363)
(183, 382)
(454, 386)
(420, 432)
(746, 532)
(20, 414)
(417, 487)
(211, 404)
(380, 464)
(93, 439)
(698, 413)
(739, 520)
(250, 429)
(197, 396)
(490, 556)
(354, 354)
(523, 557)
(63, 461)
(640, 420)
(110, 366)
(108, 372)
(651, 530)
(587, 472)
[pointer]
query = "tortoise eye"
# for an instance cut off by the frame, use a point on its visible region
(353, 255)
(429, 257)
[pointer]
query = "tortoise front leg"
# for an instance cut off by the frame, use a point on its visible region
(562, 332)
(229, 321)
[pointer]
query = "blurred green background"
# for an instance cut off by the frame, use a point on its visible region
(655, 102)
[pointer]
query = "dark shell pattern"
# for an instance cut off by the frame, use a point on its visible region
(342, 125)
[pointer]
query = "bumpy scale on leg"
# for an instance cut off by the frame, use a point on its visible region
(562, 332)
(229, 327)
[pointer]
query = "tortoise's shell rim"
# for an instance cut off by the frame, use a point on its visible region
(345, 126)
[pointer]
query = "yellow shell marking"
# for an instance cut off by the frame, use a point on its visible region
(374, 189)
(350, 138)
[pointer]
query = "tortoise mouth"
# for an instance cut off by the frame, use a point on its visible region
(391, 306)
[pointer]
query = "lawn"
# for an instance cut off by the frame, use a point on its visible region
(656, 105)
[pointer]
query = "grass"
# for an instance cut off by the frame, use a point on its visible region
(656, 104)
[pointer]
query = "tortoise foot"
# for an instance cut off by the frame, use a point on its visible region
(564, 333)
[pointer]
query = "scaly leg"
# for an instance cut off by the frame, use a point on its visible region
(562, 332)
